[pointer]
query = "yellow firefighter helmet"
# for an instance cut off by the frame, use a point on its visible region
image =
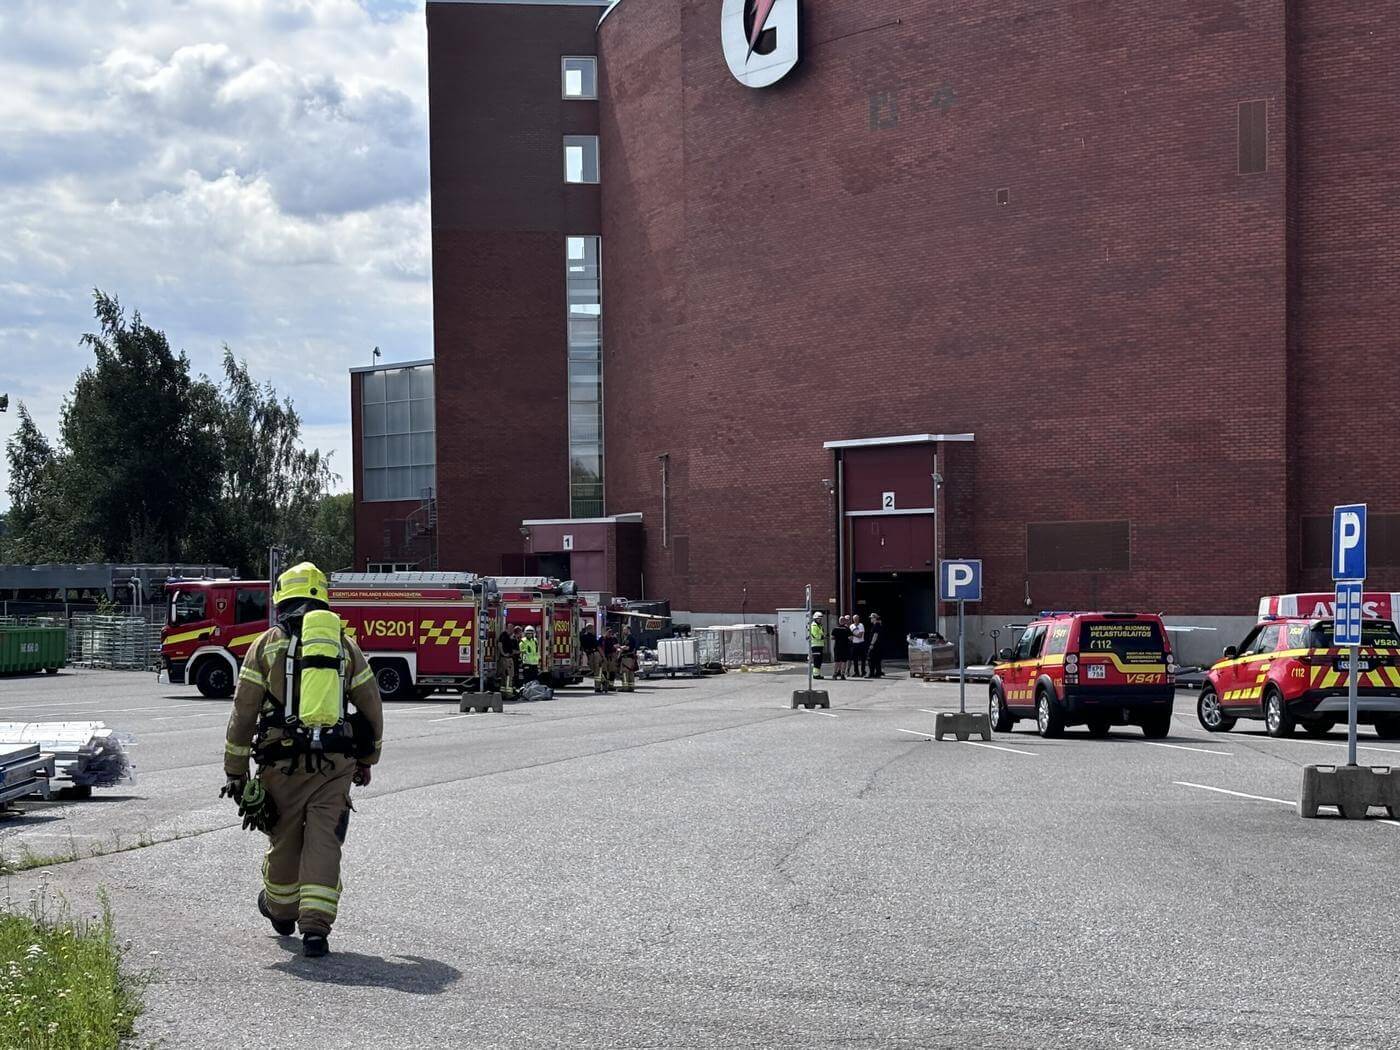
(301, 581)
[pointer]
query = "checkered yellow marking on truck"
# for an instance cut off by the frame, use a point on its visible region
(449, 632)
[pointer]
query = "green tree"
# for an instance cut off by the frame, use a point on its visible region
(142, 441)
(330, 542)
(39, 526)
(270, 486)
(157, 465)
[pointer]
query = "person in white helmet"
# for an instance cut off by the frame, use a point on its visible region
(817, 636)
(530, 655)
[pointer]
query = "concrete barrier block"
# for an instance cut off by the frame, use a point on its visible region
(482, 702)
(810, 698)
(963, 726)
(1352, 789)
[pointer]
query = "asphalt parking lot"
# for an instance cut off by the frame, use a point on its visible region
(698, 865)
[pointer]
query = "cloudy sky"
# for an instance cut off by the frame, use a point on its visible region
(249, 172)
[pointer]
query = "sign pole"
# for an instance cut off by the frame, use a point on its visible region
(808, 607)
(962, 660)
(1355, 651)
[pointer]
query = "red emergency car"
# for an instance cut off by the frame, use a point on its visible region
(1288, 672)
(1098, 669)
(418, 630)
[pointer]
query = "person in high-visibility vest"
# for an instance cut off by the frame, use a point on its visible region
(530, 655)
(817, 636)
(308, 710)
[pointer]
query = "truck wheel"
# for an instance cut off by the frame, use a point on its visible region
(50, 670)
(998, 713)
(1157, 725)
(393, 678)
(1388, 727)
(1321, 727)
(1048, 717)
(1277, 720)
(1210, 714)
(214, 679)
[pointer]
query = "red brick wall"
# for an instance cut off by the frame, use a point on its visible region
(794, 265)
(501, 211)
(1345, 364)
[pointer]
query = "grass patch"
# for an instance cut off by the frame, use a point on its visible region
(61, 984)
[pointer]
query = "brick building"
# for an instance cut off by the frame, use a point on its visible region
(1118, 274)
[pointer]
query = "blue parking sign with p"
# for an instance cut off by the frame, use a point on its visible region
(1349, 542)
(960, 581)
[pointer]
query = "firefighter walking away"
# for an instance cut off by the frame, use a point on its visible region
(308, 711)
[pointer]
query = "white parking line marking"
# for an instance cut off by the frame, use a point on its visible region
(453, 718)
(1182, 747)
(1263, 798)
(913, 732)
(994, 747)
(43, 703)
(186, 729)
(1330, 743)
(1237, 794)
(809, 711)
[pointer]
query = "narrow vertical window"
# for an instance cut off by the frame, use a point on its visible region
(1253, 136)
(583, 276)
(580, 158)
(580, 76)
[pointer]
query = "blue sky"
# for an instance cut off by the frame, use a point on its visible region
(249, 172)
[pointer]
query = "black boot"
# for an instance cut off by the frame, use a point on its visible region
(285, 927)
(314, 945)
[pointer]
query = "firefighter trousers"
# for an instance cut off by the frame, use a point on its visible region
(505, 675)
(607, 669)
(628, 668)
(301, 871)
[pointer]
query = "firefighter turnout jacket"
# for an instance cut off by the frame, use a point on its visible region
(262, 692)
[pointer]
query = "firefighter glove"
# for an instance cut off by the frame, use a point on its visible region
(233, 788)
(361, 777)
(258, 811)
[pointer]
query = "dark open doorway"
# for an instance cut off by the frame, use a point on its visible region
(556, 565)
(904, 601)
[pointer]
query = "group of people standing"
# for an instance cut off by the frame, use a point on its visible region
(517, 658)
(856, 650)
(612, 661)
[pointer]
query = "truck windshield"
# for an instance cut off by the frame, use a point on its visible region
(186, 607)
(1380, 633)
(1133, 642)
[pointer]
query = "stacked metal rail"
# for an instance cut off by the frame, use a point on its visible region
(88, 754)
(117, 643)
(747, 645)
(24, 770)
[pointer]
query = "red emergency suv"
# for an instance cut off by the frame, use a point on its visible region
(1288, 672)
(1087, 668)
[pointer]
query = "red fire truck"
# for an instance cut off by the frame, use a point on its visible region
(418, 630)
(554, 609)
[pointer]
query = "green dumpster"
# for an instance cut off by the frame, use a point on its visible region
(24, 650)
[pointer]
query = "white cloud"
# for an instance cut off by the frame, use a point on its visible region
(250, 172)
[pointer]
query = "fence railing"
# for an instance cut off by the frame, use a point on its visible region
(116, 643)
